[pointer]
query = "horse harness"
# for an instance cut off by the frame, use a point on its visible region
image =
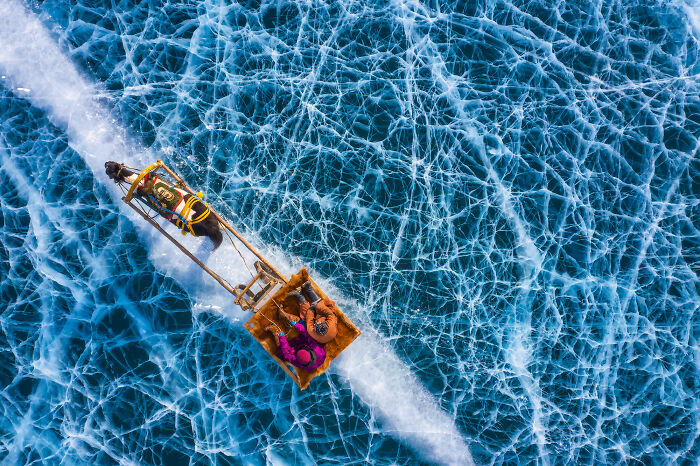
(161, 205)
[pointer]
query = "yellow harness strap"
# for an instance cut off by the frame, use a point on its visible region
(185, 226)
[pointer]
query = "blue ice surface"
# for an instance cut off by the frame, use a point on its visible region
(509, 189)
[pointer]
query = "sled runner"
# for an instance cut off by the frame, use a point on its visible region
(159, 191)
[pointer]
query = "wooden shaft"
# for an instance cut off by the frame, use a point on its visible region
(223, 222)
(255, 279)
(216, 276)
(287, 370)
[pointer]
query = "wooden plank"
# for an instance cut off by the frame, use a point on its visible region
(223, 222)
(251, 283)
(182, 248)
(347, 331)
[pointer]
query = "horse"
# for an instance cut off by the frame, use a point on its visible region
(171, 202)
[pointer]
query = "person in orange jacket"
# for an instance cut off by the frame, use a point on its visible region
(318, 315)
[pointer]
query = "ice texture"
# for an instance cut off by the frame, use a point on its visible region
(503, 195)
(32, 59)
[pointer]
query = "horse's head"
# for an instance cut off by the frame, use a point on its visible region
(114, 170)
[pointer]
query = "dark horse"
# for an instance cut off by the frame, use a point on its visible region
(170, 202)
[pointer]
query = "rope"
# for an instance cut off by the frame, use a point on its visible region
(274, 323)
(252, 275)
(228, 233)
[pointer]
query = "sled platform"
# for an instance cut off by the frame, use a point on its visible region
(264, 294)
(347, 332)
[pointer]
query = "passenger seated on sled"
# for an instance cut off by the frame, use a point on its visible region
(302, 351)
(319, 317)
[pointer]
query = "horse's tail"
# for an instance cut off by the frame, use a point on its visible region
(216, 236)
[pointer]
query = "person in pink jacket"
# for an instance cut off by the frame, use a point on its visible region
(303, 351)
(318, 315)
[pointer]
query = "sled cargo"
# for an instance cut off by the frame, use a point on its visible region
(263, 295)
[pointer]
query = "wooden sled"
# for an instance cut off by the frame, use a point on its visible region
(263, 294)
(347, 332)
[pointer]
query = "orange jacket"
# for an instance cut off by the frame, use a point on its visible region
(324, 308)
